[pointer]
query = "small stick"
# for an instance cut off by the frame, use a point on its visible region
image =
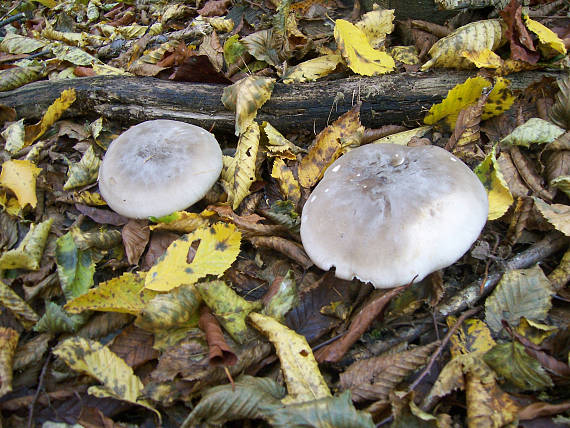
(37, 394)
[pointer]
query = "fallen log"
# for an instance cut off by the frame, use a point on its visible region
(394, 98)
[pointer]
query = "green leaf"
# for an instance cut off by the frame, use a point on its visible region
(29, 253)
(520, 293)
(229, 308)
(248, 398)
(511, 361)
(233, 49)
(284, 213)
(75, 268)
(55, 320)
(323, 413)
(534, 130)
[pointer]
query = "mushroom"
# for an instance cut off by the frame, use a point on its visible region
(387, 214)
(158, 167)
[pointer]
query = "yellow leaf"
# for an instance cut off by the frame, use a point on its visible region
(376, 25)
(83, 172)
(14, 135)
(88, 198)
(405, 54)
(125, 294)
(73, 54)
(556, 214)
(500, 99)
(473, 37)
(535, 331)
(15, 77)
(16, 44)
(183, 221)
(312, 69)
(238, 173)
(473, 336)
(300, 369)
(288, 184)
(92, 358)
(10, 204)
(245, 97)
(328, 146)
(545, 35)
(402, 138)
(47, 3)
(53, 113)
(500, 198)
(8, 343)
(483, 59)
(277, 145)
(218, 247)
(12, 301)
(20, 177)
(28, 254)
(357, 52)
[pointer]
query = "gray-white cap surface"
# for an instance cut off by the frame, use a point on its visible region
(386, 213)
(158, 167)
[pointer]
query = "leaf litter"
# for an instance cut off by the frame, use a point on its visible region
(216, 313)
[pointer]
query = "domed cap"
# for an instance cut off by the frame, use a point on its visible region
(384, 213)
(158, 167)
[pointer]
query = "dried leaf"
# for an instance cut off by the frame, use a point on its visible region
(560, 112)
(521, 292)
(83, 172)
(28, 254)
(522, 47)
(556, 214)
(484, 59)
(125, 294)
(14, 135)
(328, 146)
(136, 235)
(220, 353)
(402, 138)
(52, 114)
(8, 231)
(560, 276)
(16, 44)
(356, 50)
(511, 361)
(473, 37)
(229, 308)
(312, 69)
(466, 134)
(376, 24)
(218, 248)
(300, 370)
(277, 145)
(500, 198)
(20, 177)
(96, 360)
(291, 249)
(8, 342)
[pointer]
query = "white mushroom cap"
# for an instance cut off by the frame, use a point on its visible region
(158, 167)
(384, 213)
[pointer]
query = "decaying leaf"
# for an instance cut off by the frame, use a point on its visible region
(13, 78)
(473, 37)
(511, 361)
(9, 299)
(500, 198)
(312, 69)
(288, 184)
(28, 254)
(472, 336)
(245, 97)
(284, 298)
(14, 135)
(240, 173)
(20, 177)
(560, 112)
(55, 320)
(124, 294)
(300, 369)
(534, 130)
(219, 352)
(8, 342)
(52, 114)
(403, 137)
(356, 50)
(182, 221)
(83, 172)
(277, 145)
(376, 24)
(217, 249)
(136, 235)
(521, 292)
(96, 360)
(556, 214)
(328, 146)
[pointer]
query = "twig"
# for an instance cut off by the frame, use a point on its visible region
(38, 391)
(439, 350)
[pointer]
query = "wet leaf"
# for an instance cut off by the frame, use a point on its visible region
(312, 69)
(8, 342)
(20, 177)
(356, 50)
(288, 184)
(472, 336)
(75, 268)
(300, 369)
(535, 130)
(28, 254)
(52, 114)
(248, 398)
(83, 172)
(92, 358)
(18, 306)
(321, 413)
(218, 248)
(328, 147)
(556, 214)
(473, 37)
(520, 293)
(124, 294)
(511, 361)
(228, 307)
(245, 97)
(500, 198)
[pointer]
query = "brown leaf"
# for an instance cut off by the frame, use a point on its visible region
(516, 185)
(519, 38)
(134, 346)
(159, 242)
(377, 133)
(198, 68)
(375, 378)
(7, 114)
(519, 220)
(215, 8)
(557, 164)
(220, 353)
(527, 170)
(551, 364)
(440, 31)
(536, 410)
(249, 225)
(135, 238)
(377, 302)
(102, 216)
(289, 248)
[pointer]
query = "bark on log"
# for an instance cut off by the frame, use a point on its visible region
(395, 98)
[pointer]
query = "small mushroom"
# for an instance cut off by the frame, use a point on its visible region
(158, 167)
(387, 214)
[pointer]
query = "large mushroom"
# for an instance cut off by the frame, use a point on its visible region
(158, 167)
(387, 214)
